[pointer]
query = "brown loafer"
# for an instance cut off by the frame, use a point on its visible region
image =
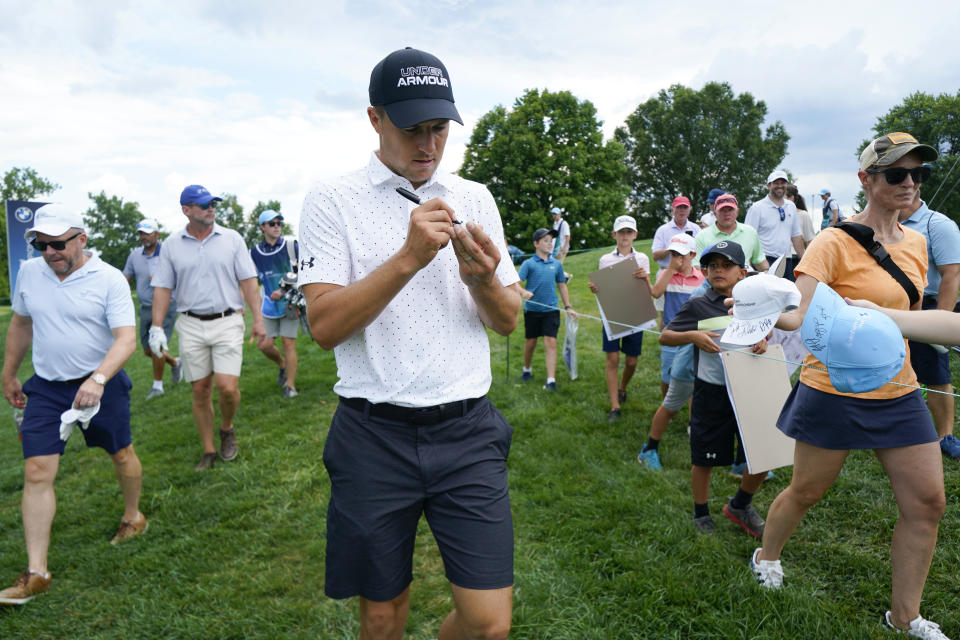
(228, 445)
(28, 586)
(129, 529)
(206, 462)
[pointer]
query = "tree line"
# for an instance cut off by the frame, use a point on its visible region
(548, 151)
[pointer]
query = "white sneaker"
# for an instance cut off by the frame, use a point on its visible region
(769, 573)
(919, 628)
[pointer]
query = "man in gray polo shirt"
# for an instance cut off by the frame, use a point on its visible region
(209, 270)
(141, 263)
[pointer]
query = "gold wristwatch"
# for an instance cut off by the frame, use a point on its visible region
(99, 378)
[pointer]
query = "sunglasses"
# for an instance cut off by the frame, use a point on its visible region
(896, 175)
(274, 223)
(783, 215)
(209, 205)
(56, 245)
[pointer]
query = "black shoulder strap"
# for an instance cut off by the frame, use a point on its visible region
(864, 236)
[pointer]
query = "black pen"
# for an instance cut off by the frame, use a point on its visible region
(414, 198)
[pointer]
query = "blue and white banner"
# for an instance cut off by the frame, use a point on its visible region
(19, 219)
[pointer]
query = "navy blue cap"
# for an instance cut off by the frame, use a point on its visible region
(714, 194)
(197, 194)
(412, 86)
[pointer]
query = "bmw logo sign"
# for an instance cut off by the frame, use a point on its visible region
(24, 214)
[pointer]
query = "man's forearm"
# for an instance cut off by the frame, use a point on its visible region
(124, 344)
(949, 285)
(161, 302)
(335, 313)
(19, 337)
(498, 306)
(251, 294)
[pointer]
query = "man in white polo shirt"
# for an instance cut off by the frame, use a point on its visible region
(405, 310)
(77, 312)
(679, 222)
(777, 223)
(140, 265)
(209, 270)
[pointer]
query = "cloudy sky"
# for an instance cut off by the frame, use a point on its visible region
(261, 99)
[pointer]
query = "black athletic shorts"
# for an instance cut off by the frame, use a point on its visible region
(713, 426)
(541, 323)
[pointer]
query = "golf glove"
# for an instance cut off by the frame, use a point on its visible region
(70, 418)
(157, 340)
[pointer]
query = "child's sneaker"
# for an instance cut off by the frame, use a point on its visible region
(748, 518)
(919, 628)
(649, 458)
(704, 524)
(769, 573)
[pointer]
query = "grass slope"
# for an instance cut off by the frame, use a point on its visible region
(604, 548)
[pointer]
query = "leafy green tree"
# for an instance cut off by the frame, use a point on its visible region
(548, 152)
(112, 227)
(686, 142)
(18, 184)
(932, 120)
(230, 214)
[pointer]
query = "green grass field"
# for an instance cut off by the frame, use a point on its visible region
(605, 549)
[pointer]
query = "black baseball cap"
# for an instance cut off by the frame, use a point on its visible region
(730, 250)
(412, 86)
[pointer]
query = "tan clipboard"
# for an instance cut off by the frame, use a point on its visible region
(758, 388)
(624, 301)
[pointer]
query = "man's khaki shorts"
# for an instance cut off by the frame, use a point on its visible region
(210, 346)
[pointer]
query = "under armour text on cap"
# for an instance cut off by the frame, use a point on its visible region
(412, 86)
(713, 195)
(758, 302)
(729, 249)
(862, 348)
(726, 200)
(148, 225)
(682, 243)
(197, 195)
(887, 149)
(267, 215)
(54, 220)
(624, 222)
(779, 174)
(681, 201)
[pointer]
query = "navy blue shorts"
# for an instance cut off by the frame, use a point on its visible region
(931, 367)
(385, 474)
(541, 323)
(713, 426)
(632, 345)
(831, 421)
(46, 400)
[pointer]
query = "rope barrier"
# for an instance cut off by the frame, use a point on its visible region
(756, 355)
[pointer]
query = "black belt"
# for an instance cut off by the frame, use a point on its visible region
(211, 316)
(414, 415)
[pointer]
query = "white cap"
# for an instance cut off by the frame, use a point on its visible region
(776, 175)
(757, 303)
(624, 222)
(148, 225)
(682, 243)
(54, 220)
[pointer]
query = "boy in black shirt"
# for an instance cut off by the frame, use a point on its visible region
(713, 425)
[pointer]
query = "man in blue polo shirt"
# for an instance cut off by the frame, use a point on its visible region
(141, 263)
(273, 260)
(943, 282)
(543, 276)
(77, 313)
